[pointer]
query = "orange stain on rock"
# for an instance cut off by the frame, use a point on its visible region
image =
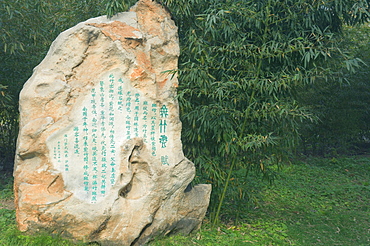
(144, 66)
(149, 15)
(117, 30)
(162, 83)
(138, 73)
(144, 61)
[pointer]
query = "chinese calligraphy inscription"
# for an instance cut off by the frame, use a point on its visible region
(113, 113)
(99, 155)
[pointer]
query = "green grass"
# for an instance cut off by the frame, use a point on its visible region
(6, 186)
(322, 203)
(313, 202)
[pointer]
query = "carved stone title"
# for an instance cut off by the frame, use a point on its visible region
(99, 154)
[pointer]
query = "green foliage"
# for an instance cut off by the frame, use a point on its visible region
(115, 6)
(342, 107)
(27, 29)
(242, 65)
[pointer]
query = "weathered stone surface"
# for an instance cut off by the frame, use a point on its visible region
(99, 155)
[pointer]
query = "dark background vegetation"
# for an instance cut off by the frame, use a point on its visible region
(261, 82)
(342, 108)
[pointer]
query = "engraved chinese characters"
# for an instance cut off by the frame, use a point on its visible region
(99, 153)
(113, 113)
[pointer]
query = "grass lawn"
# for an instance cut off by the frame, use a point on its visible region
(313, 202)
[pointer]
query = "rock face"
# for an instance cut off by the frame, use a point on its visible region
(99, 154)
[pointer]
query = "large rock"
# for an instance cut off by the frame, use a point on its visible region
(99, 155)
